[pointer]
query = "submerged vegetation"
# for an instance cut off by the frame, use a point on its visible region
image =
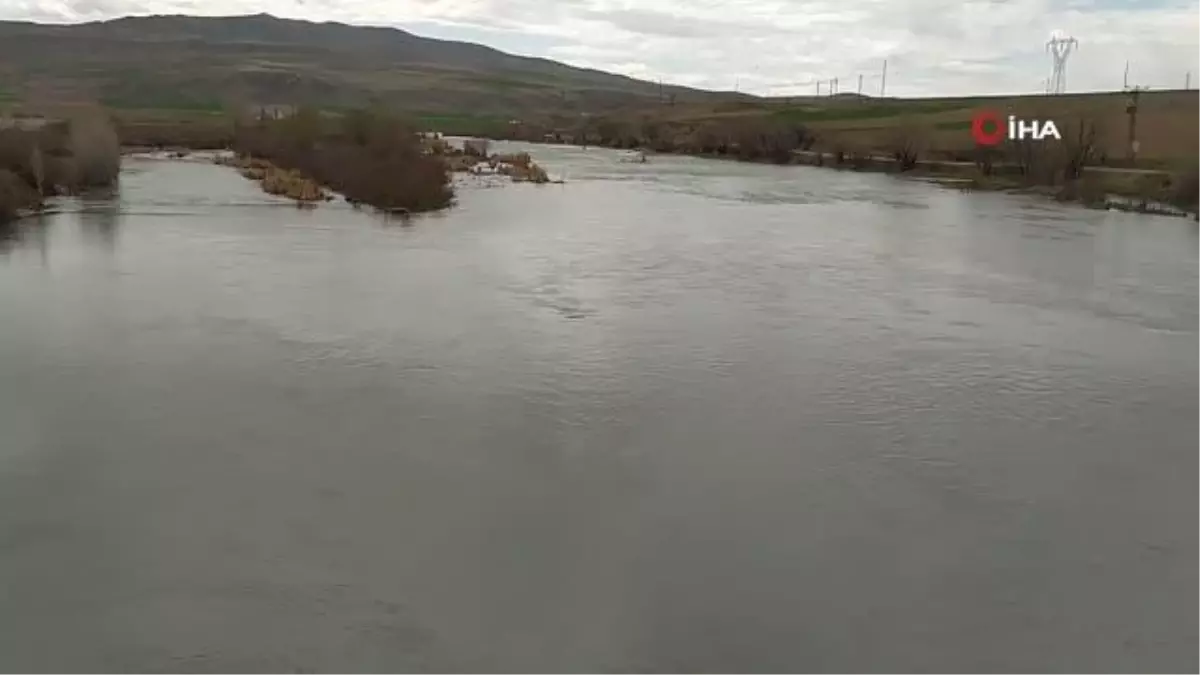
(369, 157)
(56, 157)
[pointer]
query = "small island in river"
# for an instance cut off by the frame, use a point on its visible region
(369, 157)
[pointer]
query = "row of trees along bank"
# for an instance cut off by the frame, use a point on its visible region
(368, 156)
(898, 145)
(57, 158)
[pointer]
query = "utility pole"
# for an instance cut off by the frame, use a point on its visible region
(1125, 83)
(1131, 110)
(883, 82)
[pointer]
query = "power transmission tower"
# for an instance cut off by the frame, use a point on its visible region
(1060, 47)
(860, 85)
(883, 82)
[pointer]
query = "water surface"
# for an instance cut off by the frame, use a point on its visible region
(688, 415)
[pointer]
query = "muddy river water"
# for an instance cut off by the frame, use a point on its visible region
(686, 415)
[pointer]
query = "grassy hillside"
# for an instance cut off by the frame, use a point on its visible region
(1166, 120)
(210, 64)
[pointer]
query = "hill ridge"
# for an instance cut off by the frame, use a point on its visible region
(179, 60)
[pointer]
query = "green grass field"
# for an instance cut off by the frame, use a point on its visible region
(1166, 122)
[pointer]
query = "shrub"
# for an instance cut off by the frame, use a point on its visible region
(16, 154)
(56, 158)
(369, 157)
(97, 152)
(15, 194)
(984, 157)
(1078, 148)
(908, 141)
(1185, 189)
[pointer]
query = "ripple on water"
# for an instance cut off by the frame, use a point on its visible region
(691, 416)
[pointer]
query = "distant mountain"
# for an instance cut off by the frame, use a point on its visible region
(184, 62)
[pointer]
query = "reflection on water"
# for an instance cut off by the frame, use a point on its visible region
(27, 233)
(684, 416)
(10, 234)
(100, 216)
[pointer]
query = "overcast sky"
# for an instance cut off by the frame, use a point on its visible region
(769, 47)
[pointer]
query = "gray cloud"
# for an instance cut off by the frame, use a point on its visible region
(665, 24)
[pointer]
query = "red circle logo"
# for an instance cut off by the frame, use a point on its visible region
(987, 126)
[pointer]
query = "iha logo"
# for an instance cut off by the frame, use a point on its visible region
(988, 128)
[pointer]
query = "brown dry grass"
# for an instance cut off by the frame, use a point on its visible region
(277, 181)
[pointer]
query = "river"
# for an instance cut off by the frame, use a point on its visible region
(683, 416)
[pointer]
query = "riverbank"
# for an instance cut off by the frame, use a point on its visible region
(1137, 191)
(1087, 168)
(61, 157)
(1145, 191)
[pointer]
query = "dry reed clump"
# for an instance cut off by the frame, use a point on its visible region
(275, 180)
(291, 184)
(520, 167)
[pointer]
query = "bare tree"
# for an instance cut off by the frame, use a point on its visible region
(908, 141)
(96, 150)
(1029, 157)
(38, 167)
(1079, 147)
(984, 158)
